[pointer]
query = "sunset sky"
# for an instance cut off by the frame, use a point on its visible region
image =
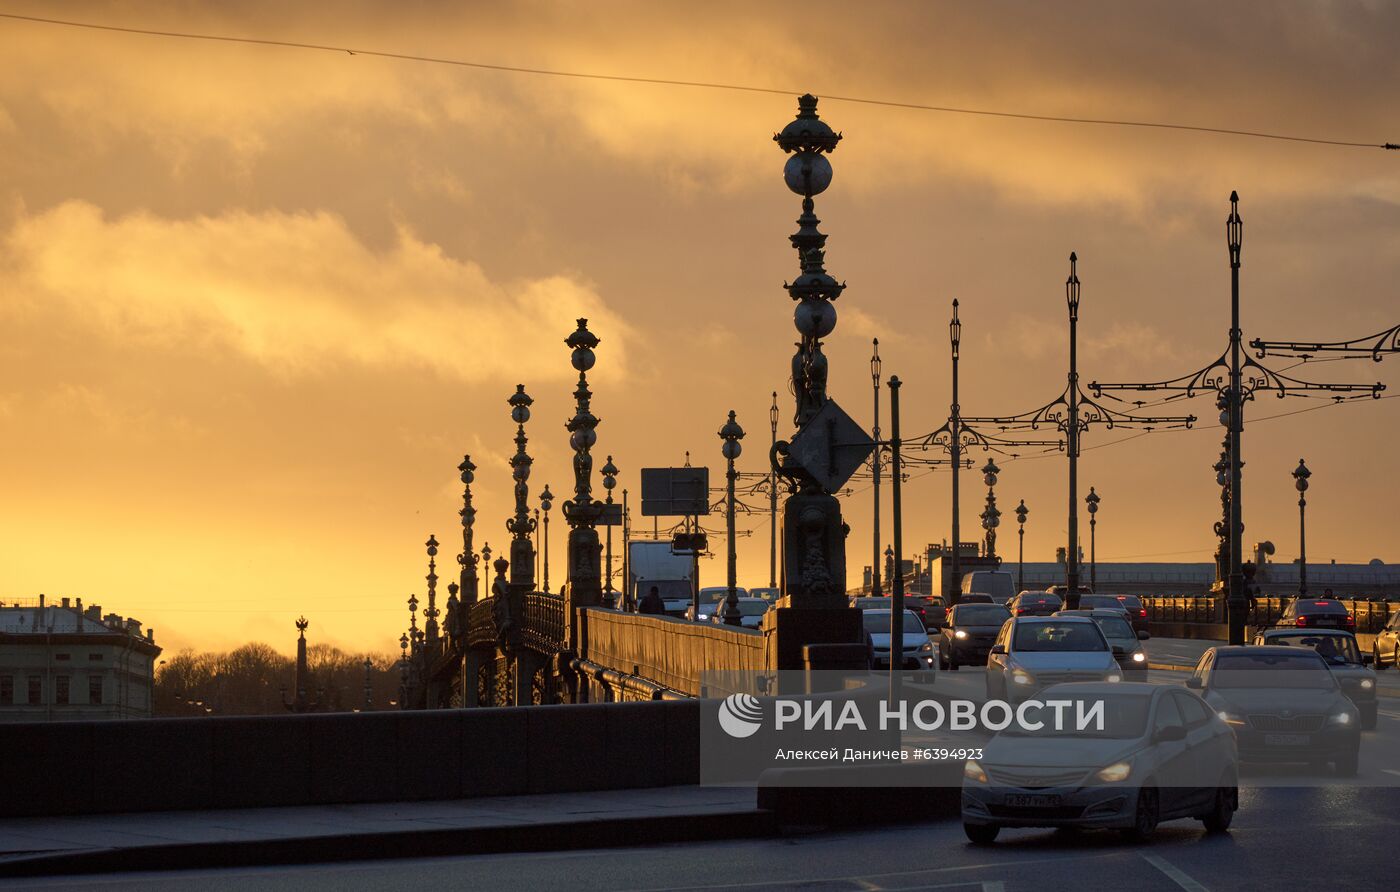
(258, 301)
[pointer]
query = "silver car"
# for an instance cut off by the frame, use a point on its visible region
(1160, 753)
(918, 648)
(1034, 652)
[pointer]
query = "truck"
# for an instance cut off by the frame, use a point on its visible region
(998, 583)
(652, 562)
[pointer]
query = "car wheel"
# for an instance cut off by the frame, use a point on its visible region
(1395, 656)
(953, 661)
(1348, 763)
(1376, 657)
(982, 834)
(942, 659)
(1144, 817)
(1222, 810)
(1368, 718)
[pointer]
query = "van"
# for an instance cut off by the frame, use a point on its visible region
(997, 583)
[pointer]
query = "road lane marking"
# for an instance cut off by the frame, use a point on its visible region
(1391, 771)
(1174, 873)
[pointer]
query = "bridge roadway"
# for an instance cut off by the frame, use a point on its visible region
(1281, 839)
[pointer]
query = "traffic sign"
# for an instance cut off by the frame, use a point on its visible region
(675, 492)
(831, 447)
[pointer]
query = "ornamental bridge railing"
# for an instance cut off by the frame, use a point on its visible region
(1371, 616)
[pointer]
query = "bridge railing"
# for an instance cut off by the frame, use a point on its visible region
(669, 652)
(1370, 616)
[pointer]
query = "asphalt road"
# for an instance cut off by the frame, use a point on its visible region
(1282, 838)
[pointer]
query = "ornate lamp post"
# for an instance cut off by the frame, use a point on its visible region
(431, 614)
(522, 525)
(546, 502)
(954, 451)
(1092, 501)
(773, 500)
(991, 517)
(1300, 481)
(369, 685)
(467, 583)
(413, 622)
(731, 434)
(609, 482)
(890, 568)
(1021, 512)
(403, 671)
(1072, 430)
(582, 512)
(875, 468)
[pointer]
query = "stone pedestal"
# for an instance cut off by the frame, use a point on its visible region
(814, 551)
(789, 633)
(585, 556)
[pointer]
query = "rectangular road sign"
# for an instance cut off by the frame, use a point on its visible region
(611, 516)
(675, 492)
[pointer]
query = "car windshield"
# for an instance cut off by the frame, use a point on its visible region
(1115, 629)
(1338, 650)
(1058, 636)
(753, 608)
(1271, 670)
(669, 589)
(1124, 718)
(879, 623)
(1100, 601)
(979, 615)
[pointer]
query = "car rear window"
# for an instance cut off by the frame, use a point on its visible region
(1321, 607)
(1032, 600)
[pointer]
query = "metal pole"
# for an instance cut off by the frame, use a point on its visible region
(875, 588)
(773, 500)
(955, 447)
(731, 434)
(1300, 480)
(626, 566)
(546, 547)
(897, 592)
(1072, 439)
(1236, 601)
(1093, 555)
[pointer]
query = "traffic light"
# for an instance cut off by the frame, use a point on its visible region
(688, 543)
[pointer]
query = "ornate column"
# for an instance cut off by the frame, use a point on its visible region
(991, 516)
(582, 512)
(814, 535)
(609, 484)
(522, 552)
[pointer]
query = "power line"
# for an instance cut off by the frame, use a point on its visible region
(668, 82)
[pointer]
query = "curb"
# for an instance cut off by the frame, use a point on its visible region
(549, 837)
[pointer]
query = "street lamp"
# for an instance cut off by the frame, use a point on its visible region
(875, 467)
(1021, 512)
(546, 502)
(1092, 500)
(991, 517)
(889, 563)
(609, 481)
(731, 434)
(1300, 480)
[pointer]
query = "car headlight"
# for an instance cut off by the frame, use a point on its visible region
(1341, 718)
(1114, 676)
(1139, 657)
(1116, 772)
(959, 634)
(1230, 718)
(1367, 684)
(925, 647)
(1021, 676)
(973, 772)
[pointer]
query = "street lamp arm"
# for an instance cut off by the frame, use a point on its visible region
(1375, 346)
(1214, 378)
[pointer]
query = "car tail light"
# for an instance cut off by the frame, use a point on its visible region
(1301, 621)
(1351, 621)
(1020, 611)
(1142, 612)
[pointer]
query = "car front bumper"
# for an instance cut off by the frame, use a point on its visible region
(1278, 747)
(1107, 806)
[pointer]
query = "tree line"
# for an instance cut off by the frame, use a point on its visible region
(257, 680)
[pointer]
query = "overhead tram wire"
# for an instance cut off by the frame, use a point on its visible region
(669, 82)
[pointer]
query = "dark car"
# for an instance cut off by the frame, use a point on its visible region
(1131, 605)
(969, 633)
(1035, 604)
(1343, 657)
(1122, 637)
(1317, 613)
(1284, 704)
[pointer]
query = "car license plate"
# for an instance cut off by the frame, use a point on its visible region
(1287, 739)
(1032, 800)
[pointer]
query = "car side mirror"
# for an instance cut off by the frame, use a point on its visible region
(1194, 683)
(1170, 733)
(1367, 659)
(1143, 634)
(998, 648)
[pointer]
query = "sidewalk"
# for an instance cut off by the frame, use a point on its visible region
(173, 840)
